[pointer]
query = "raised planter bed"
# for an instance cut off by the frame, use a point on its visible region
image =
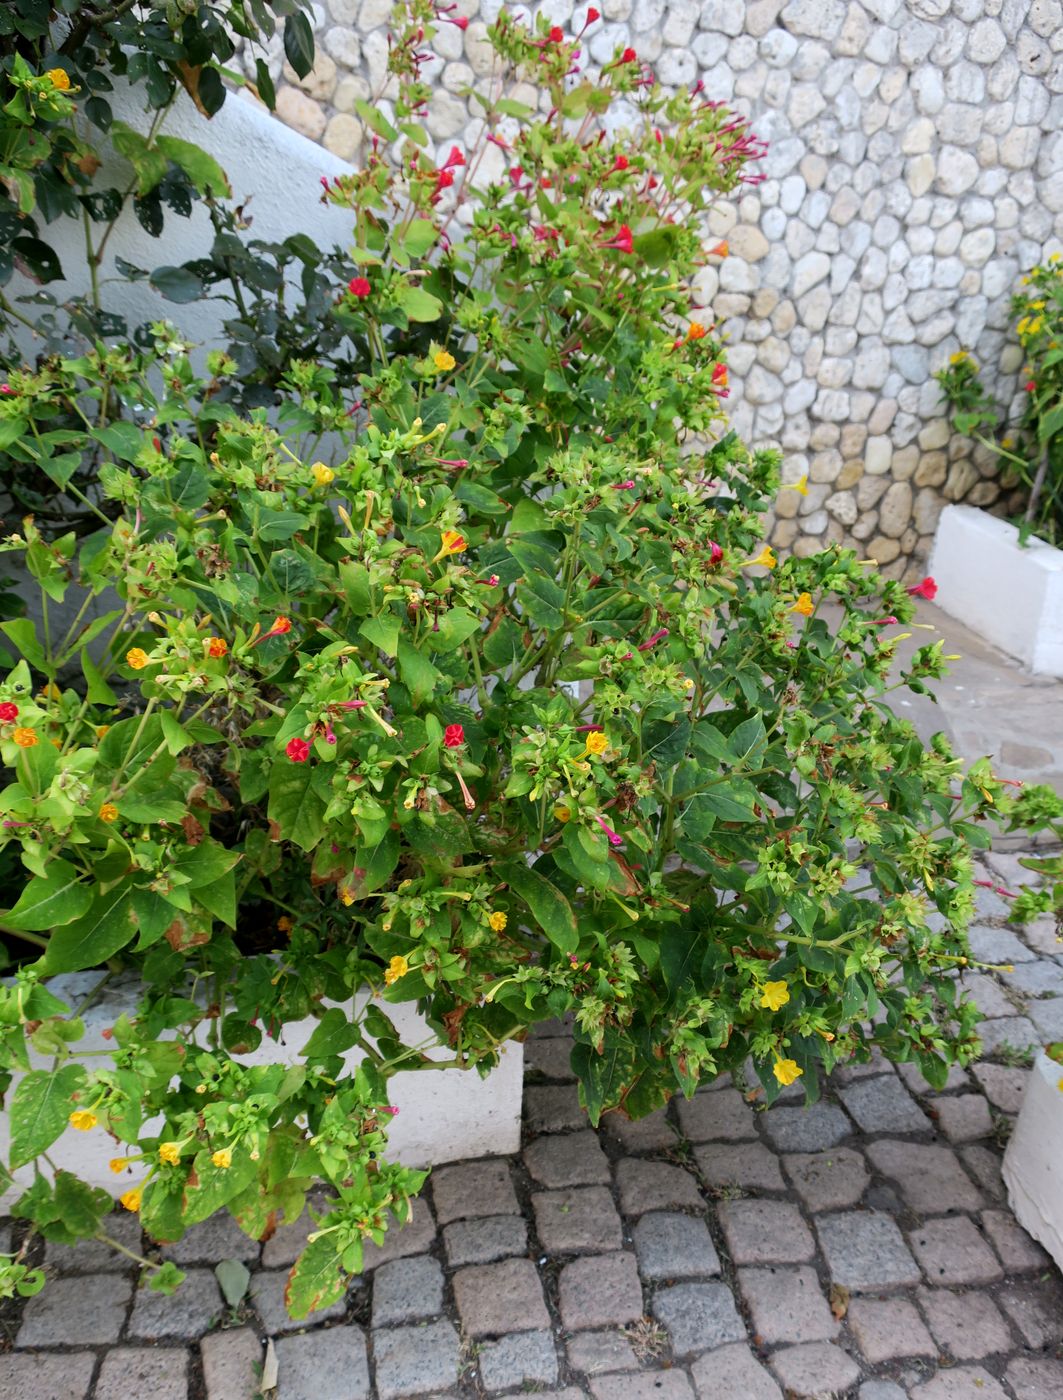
(1033, 1163)
(444, 1115)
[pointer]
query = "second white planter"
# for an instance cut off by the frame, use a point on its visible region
(1033, 1163)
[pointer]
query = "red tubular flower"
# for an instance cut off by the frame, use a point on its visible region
(8, 712)
(298, 750)
(455, 158)
(622, 240)
(592, 15)
(628, 56)
(651, 642)
(715, 553)
(719, 376)
(927, 589)
(1031, 386)
(621, 163)
(359, 287)
(453, 736)
(556, 35)
(516, 173)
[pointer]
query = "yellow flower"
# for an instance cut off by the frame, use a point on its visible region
(59, 78)
(346, 895)
(1007, 443)
(498, 921)
(101, 730)
(563, 814)
(83, 1120)
(766, 558)
(170, 1152)
(137, 658)
(804, 605)
(51, 691)
(959, 358)
(131, 1200)
(25, 738)
(108, 812)
(786, 1071)
(322, 475)
(119, 1164)
(444, 360)
(800, 485)
(453, 543)
(396, 968)
(223, 1158)
(774, 995)
(597, 742)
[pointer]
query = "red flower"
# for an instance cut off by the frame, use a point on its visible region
(444, 179)
(359, 286)
(556, 35)
(592, 15)
(8, 712)
(516, 173)
(455, 158)
(719, 376)
(1031, 386)
(298, 750)
(621, 163)
(621, 241)
(927, 589)
(715, 553)
(629, 56)
(453, 736)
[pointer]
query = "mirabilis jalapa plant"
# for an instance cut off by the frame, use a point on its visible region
(330, 754)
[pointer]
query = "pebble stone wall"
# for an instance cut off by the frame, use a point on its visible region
(915, 170)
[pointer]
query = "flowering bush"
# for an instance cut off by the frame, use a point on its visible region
(1031, 448)
(503, 709)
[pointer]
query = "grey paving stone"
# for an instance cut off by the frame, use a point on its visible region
(655, 1385)
(407, 1290)
(521, 1359)
(698, 1316)
(415, 1360)
(716, 1115)
(952, 1251)
(1019, 1252)
(914, 1077)
(883, 1105)
(765, 1232)
(1041, 935)
(213, 1240)
(582, 1219)
(865, 1252)
(669, 1245)
(553, 1108)
(93, 1256)
(1035, 1306)
(960, 1383)
(983, 1163)
(1004, 1085)
(231, 1364)
(787, 1305)
(930, 1176)
(568, 1159)
(888, 1328)
(828, 1180)
(963, 1117)
(815, 1369)
(267, 1294)
(811, 1129)
(189, 1312)
(966, 1326)
(645, 1185)
(594, 1353)
(496, 1298)
(87, 1310)
(328, 1364)
(158, 1372)
(988, 995)
(881, 1390)
(400, 1241)
(654, 1133)
(852, 1071)
(997, 945)
(287, 1242)
(43, 1377)
(1035, 1378)
(733, 1371)
(473, 1189)
(749, 1165)
(551, 1057)
(1036, 979)
(1008, 1033)
(1047, 1016)
(481, 1241)
(600, 1290)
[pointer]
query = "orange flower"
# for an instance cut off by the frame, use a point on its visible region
(25, 738)
(136, 657)
(281, 625)
(108, 812)
(696, 331)
(217, 646)
(59, 79)
(721, 250)
(453, 543)
(804, 605)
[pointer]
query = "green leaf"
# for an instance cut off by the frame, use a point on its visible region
(417, 673)
(149, 164)
(317, 1279)
(295, 805)
(601, 1076)
(551, 909)
(81, 1207)
(383, 632)
(730, 801)
(178, 284)
(59, 898)
(97, 691)
(680, 956)
(420, 236)
(543, 601)
(108, 925)
(455, 626)
(233, 1278)
(202, 169)
(24, 634)
(176, 736)
(299, 43)
(333, 1035)
(418, 304)
(40, 1108)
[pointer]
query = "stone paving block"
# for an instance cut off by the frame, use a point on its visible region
(914, 1077)
(601, 1290)
(596, 1352)
(1035, 1306)
(43, 1377)
(765, 1232)
(553, 1108)
(983, 1163)
(717, 1115)
(787, 1305)
(887, 1328)
(884, 1105)
(472, 1189)
(1035, 1378)
(814, 1369)
(570, 1392)
(415, 1360)
(952, 1251)
(698, 1316)
(966, 1326)
(407, 1290)
(1036, 979)
(550, 1057)
(189, 1312)
(329, 1364)
(997, 945)
(231, 1364)
(1042, 937)
(521, 1359)
(748, 1165)
(582, 1220)
(267, 1294)
(654, 1133)
(415, 1237)
(482, 1241)
(1008, 1033)
(865, 1252)
(1047, 1016)
(811, 1129)
(87, 1310)
(495, 1298)
(930, 1177)
(881, 1390)
(960, 1383)
(855, 1069)
(988, 995)
(158, 1372)
(93, 1256)
(1003, 1085)
(212, 1241)
(828, 1180)
(647, 1186)
(1019, 1252)
(669, 1245)
(963, 1117)
(287, 1242)
(656, 1385)
(733, 1371)
(569, 1159)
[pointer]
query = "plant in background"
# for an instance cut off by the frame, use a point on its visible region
(1029, 443)
(503, 709)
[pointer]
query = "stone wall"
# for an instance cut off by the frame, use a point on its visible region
(915, 171)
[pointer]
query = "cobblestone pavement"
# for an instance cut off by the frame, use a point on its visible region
(860, 1248)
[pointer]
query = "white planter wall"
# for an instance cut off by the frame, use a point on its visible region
(1011, 596)
(1033, 1163)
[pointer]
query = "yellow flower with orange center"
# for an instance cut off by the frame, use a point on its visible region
(804, 605)
(59, 79)
(767, 559)
(132, 1199)
(323, 476)
(597, 743)
(787, 1071)
(170, 1153)
(217, 646)
(119, 1164)
(453, 543)
(222, 1159)
(396, 968)
(444, 361)
(563, 814)
(108, 812)
(83, 1119)
(136, 657)
(25, 738)
(696, 331)
(773, 995)
(498, 920)
(346, 895)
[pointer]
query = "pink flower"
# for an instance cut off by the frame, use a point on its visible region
(624, 486)
(614, 840)
(352, 704)
(621, 163)
(715, 553)
(884, 622)
(927, 589)
(455, 158)
(658, 636)
(453, 736)
(359, 287)
(621, 241)
(298, 750)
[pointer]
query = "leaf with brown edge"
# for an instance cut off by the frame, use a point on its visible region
(316, 1280)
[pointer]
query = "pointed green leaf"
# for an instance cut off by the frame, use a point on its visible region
(59, 898)
(39, 1110)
